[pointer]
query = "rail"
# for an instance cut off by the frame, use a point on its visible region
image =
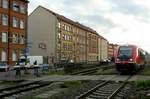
(109, 94)
(9, 91)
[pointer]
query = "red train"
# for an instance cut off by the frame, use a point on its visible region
(129, 58)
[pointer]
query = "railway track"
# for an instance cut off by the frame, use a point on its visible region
(87, 71)
(105, 90)
(92, 70)
(27, 86)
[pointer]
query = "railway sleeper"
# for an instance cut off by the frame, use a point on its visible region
(103, 94)
(101, 91)
(97, 97)
(109, 92)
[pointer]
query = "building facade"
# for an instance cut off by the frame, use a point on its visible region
(13, 30)
(93, 46)
(112, 48)
(65, 40)
(61, 38)
(80, 45)
(103, 48)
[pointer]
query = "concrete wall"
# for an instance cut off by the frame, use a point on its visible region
(42, 32)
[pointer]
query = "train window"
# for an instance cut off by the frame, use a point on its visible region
(125, 51)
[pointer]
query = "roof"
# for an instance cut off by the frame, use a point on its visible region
(61, 17)
(102, 38)
(128, 45)
(26, 1)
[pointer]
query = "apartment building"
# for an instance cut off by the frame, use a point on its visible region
(59, 38)
(80, 44)
(13, 29)
(65, 39)
(112, 48)
(93, 46)
(103, 48)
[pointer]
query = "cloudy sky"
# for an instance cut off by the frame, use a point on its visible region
(119, 21)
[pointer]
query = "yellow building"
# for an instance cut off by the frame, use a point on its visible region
(65, 43)
(93, 46)
(60, 38)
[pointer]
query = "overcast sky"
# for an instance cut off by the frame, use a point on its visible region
(119, 21)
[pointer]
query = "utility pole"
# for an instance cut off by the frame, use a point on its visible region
(26, 38)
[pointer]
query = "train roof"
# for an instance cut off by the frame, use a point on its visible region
(127, 45)
(135, 46)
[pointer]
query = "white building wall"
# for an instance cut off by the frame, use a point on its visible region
(42, 32)
(104, 49)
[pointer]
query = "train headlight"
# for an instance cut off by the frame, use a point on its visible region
(131, 59)
(118, 59)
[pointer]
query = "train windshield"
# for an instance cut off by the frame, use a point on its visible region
(125, 52)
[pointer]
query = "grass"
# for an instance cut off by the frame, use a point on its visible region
(66, 90)
(71, 84)
(7, 82)
(107, 72)
(55, 73)
(142, 84)
(146, 71)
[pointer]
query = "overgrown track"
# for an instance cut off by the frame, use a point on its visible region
(22, 88)
(87, 71)
(105, 90)
(92, 70)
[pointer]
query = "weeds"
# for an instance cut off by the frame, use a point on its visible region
(142, 84)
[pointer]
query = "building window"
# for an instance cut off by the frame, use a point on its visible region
(15, 6)
(14, 55)
(67, 28)
(23, 9)
(15, 38)
(63, 26)
(68, 37)
(22, 39)
(5, 4)
(63, 36)
(22, 25)
(15, 22)
(58, 46)
(59, 36)
(5, 19)
(59, 25)
(4, 37)
(4, 55)
(21, 52)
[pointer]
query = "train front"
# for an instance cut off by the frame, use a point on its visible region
(125, 59)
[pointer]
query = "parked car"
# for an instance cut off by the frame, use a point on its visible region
(105, 61)
(4, 67)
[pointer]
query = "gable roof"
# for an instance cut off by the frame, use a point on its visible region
(26, 1)
(61, 17)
